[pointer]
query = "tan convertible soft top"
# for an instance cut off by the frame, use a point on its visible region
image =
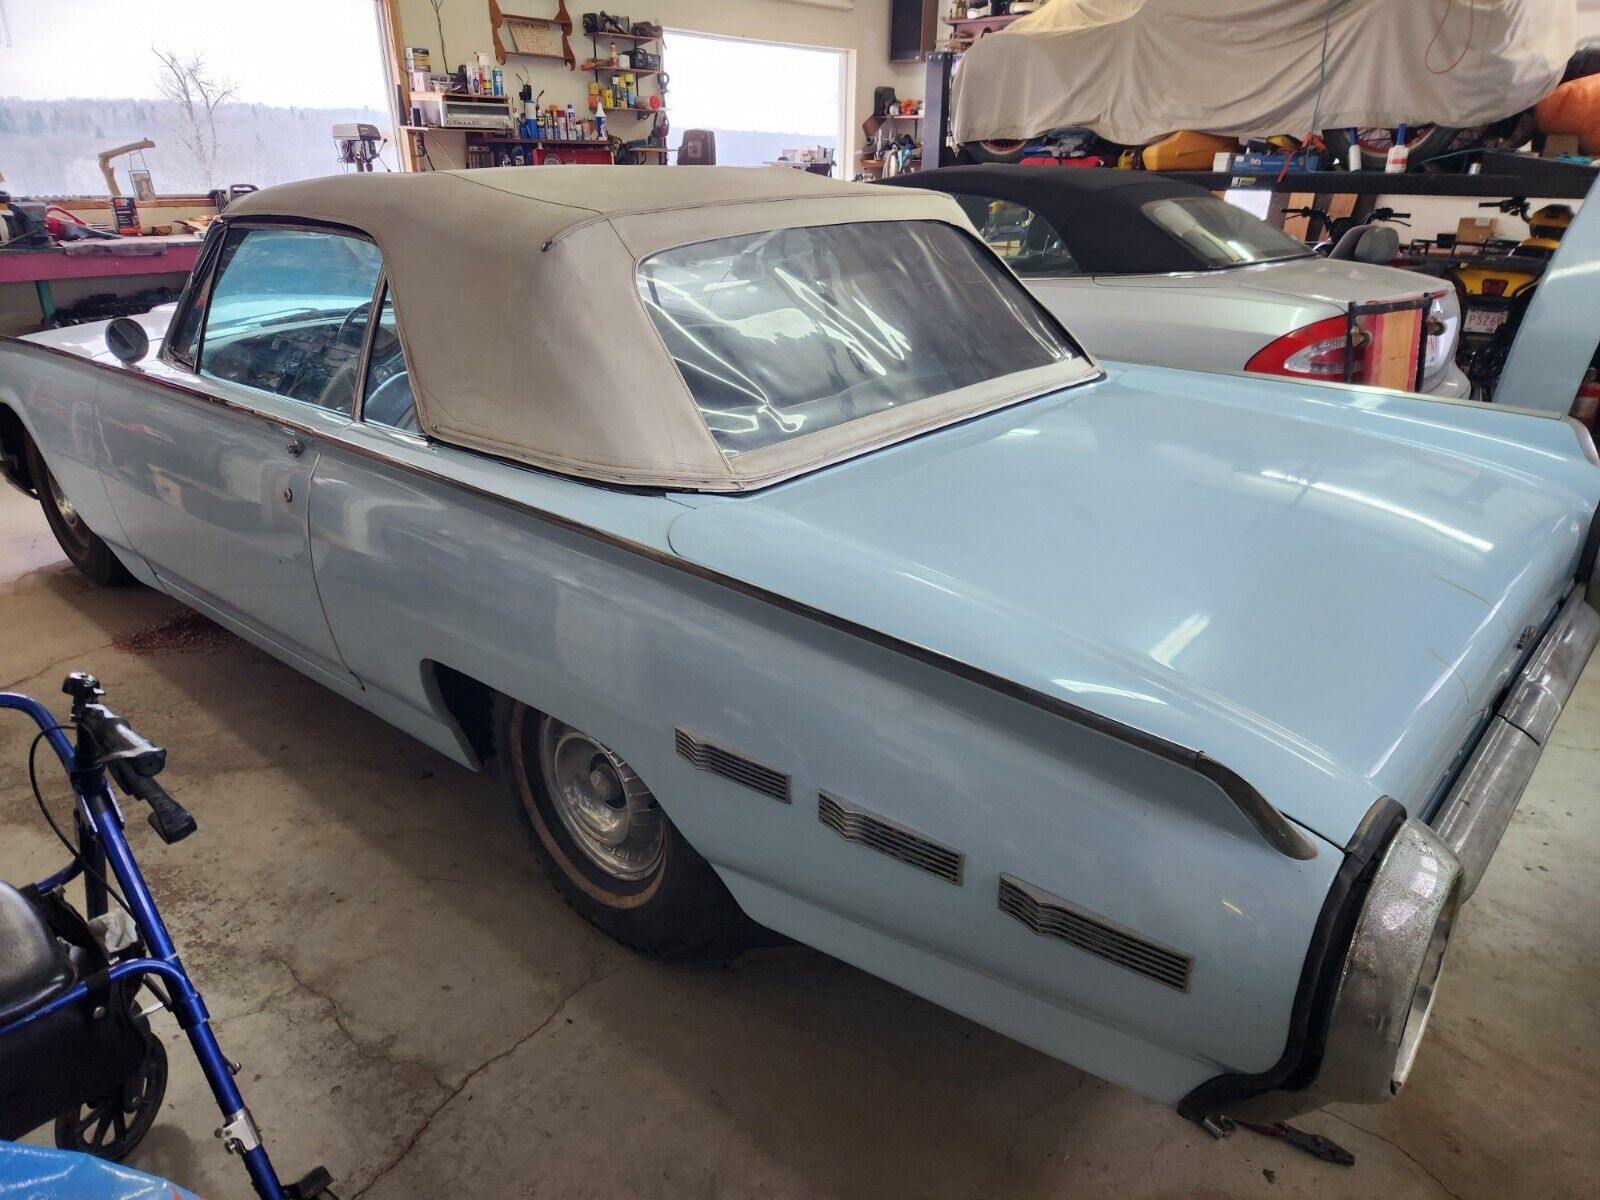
(525, 335)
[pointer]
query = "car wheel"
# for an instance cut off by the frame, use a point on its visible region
(605, 843)
(112, 1126)
(85, 550)
(996, 150)
(1423, 142)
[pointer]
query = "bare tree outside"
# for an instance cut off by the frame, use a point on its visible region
(438, 19)
(197, 95)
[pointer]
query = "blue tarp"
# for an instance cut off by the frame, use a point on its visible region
(34, 1173)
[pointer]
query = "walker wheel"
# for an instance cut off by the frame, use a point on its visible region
(112, 1125)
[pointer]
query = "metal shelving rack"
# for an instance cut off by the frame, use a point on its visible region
(599, 68)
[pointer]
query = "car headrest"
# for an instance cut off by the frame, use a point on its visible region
(1369, 244)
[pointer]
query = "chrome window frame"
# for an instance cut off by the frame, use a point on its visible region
(204, 277)
(199, 281)
(359, 408)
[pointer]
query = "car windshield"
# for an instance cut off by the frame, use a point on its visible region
(786, 333)
(1221, 234)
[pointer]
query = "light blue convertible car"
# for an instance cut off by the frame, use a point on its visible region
(782, 555)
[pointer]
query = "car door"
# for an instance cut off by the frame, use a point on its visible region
(211, 451)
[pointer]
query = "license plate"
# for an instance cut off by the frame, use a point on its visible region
(1484, 320)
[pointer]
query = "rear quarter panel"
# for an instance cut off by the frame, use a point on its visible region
(414, 571)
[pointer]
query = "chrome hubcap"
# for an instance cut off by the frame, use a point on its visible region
(65, 507)
(606, 808)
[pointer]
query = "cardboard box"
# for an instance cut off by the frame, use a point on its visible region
(1474, 231)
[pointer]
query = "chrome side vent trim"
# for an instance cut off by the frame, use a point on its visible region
(719, 760)
(855, 824)
(1051, 916)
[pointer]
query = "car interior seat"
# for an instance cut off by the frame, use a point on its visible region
(1369, 244)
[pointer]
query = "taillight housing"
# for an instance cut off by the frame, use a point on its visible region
(1315, 351)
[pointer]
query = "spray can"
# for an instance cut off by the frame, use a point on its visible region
(498, 81)
(572, 124)
(1399, 154)
(599, 120)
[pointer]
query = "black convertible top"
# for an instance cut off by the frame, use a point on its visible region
(1096, 210)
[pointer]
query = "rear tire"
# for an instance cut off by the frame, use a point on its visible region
(1423, 143)
(93, 558)
(112, 1126)
(996, 150)
(604, 842)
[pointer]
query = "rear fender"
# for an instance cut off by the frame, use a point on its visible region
(51, 397)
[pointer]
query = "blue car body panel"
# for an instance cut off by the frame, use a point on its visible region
(1322, 588)
(1330, 588)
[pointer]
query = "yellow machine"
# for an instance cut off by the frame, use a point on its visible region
(1185, 150)
(1494, 289)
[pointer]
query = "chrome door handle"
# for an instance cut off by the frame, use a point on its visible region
(296, 447)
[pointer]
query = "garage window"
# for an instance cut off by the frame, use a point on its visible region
(212, 94)
(288, 314)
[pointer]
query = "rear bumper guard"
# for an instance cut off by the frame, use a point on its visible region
(1477, 810)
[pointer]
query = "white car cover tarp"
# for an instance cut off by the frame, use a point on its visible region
(1137, 70)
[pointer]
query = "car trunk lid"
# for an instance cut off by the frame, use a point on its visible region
(1219, 561)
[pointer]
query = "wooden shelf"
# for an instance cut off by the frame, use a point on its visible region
(976, 25)
(505, 141)
(619, 37)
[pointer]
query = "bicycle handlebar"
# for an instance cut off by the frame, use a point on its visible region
(171, 821)
(106, 740)
(114, 742)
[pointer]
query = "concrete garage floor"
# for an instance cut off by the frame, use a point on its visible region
(417, 1009)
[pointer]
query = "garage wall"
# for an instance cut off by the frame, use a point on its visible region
(863, 28)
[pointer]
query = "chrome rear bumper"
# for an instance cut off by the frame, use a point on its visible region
(1477, 810)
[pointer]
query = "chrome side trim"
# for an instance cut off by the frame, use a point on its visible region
(1050, 916)
(1272, 826)
(855, 824)
(1479, 806)
(709, 756)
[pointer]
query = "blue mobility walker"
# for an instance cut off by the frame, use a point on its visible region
(74, 1046)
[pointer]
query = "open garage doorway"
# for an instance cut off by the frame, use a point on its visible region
(761, 99)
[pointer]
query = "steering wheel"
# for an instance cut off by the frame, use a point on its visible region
(350, 321)
(377, 399)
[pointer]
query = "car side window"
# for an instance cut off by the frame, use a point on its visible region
(1027, 241)
(288, 314)
(386, 399)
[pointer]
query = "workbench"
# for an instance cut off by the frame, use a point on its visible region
(96, 260)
